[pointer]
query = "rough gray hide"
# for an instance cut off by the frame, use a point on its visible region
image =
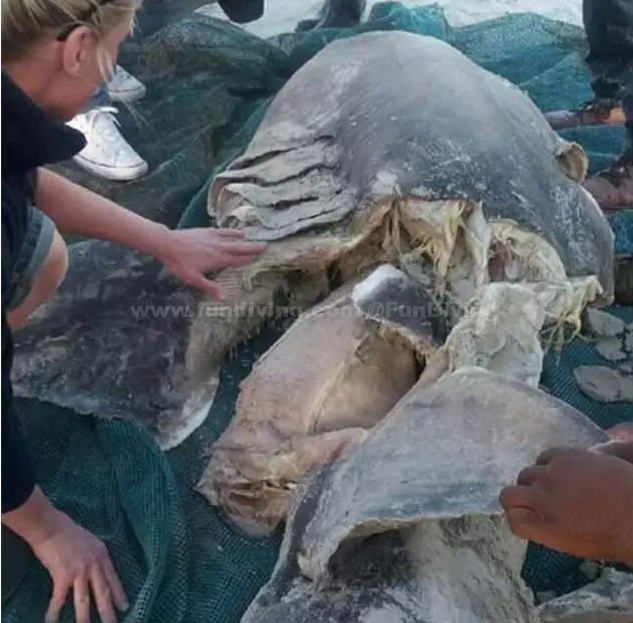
(327, 157)
(407, 527)
(121, 338)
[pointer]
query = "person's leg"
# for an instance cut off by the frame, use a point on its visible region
(335, 14)
(609, 33)
(613, 187)
(156, 14)
(242, 11)
(39, 270)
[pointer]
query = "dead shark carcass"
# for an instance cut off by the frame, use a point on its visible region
(417, 159)
(454, 177)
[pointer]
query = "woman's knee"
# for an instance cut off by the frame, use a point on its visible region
(47, 276)
(54, 268)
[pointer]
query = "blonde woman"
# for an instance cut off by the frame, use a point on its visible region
(55, 53)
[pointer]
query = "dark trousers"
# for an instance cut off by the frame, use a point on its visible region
(609, 30)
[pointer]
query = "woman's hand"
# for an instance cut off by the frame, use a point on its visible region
(575, 501)
(192, 253)
(78, 562)
(186, 253)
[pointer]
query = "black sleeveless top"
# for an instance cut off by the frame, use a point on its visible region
(31, 138)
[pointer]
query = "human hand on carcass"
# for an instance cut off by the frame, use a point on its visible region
(191, 254)
(621, 444)
(579, 502)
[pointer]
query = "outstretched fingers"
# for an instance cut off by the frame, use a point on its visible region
(103, 596)
(230, 233)
(61, 587)
(520, 504)
(116, 588)
(81, 595)
(242, 248)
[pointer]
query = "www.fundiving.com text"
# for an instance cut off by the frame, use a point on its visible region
(213, 310)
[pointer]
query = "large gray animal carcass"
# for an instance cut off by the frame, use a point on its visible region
(438, 223)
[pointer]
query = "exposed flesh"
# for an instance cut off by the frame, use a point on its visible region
(464, 249)
(328, 380)
(407, 527)
(323, 161)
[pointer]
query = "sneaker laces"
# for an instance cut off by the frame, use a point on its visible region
(119, 75)
(103, 132)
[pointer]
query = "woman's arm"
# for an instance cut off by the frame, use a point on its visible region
(76, 560)
(189, 254)
(80, 212)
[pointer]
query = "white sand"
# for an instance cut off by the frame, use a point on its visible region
(283, 15)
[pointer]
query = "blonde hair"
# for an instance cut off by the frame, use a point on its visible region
(25, 23)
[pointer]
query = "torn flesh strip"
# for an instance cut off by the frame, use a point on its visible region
(501, 329)
(468, 250)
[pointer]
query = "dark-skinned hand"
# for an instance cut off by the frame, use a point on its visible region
(579, 502)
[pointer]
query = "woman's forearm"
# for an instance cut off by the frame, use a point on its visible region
(80, 212)
(190, 254)
(34, 520)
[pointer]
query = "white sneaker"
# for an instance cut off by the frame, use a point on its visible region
(106, 154)
(124, 87)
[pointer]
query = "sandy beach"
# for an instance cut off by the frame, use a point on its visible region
(282, 15)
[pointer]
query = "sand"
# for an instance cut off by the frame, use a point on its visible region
(282, 15)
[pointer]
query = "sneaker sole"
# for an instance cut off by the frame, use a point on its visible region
(126, 174)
